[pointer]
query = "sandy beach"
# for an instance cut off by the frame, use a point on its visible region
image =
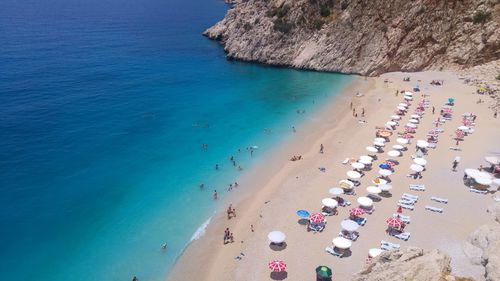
(278, 187)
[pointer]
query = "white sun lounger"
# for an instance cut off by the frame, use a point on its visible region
(407, 198)
(439, 199)
(456, 148)
(405, 219)
(417, 187)
(331, 251)
(432, 145)
(434, 209)
(345, 161)
(403, 236)
(478, 191)
(406, 206)
(406, 201)
(415, 197)
(385, 245)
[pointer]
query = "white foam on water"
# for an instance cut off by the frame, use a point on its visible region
(201, 230)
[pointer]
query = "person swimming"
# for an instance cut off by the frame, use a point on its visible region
(164, 246)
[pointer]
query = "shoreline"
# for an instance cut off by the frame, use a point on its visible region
(275, 173)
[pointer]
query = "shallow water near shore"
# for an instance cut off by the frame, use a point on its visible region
(104, 107)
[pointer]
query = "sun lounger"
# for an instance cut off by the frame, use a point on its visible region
(417, 187)
(455, 148)
(405, 219)
(496, 198)
(434, 209)
(403, 235)
(360, 221)
(478, 191)
(406, 201)
(439, 199)
(385, 245)
(316, 227)
(410, 196)
(353, 236)
(406, 206)
(331, 250)
(345, 161)
(369, 211)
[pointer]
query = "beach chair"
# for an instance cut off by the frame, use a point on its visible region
(369, 211)
(331, 250)
(406, 206)
(403, 235)
(478, 191)
(385, 245)
(353, 236)
(345, 161)
(408, 201)
(417, 187)
(316, 227)
(403, 218)
(360, 221)
(413, 199)
(434, 209)
(410, 196)
(455, 148)
(439, 199)
(350, 192)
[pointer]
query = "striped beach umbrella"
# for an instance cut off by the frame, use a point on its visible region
(277, 266)
(317, 218)
(356, 212)
(394, 222)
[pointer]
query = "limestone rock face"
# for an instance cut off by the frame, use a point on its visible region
(367, 37)
(408, 264)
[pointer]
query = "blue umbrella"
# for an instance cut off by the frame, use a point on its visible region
(303, 213)
(384, 166)
(451, 100)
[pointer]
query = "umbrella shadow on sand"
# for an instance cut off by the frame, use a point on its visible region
(375, 198)
(347, 253)
(277, 246)
(279, 275)
(303, 221)
(385, 194)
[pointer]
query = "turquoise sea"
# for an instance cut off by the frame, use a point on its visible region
(104, 108)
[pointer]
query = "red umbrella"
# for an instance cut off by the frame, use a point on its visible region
(355, 212)
(459, 134)
(317, 218)
(394, 222)
(277, 266)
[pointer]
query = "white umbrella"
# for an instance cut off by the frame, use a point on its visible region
(403, 105)
(336, 191)
(471, 172)
(496, 182)
(398, 147)
(371, 149)
(414, 121)
(341, 243)
(408, 98)
(396, 117)
(394, 153)
(365, 157)
(391, 123)
(276, 237)
(385, 172)
(379, 140)
(349, 225)
(484, 175)
(492, 160)
(402, 108)
(353, 175)
(385, 187)
(329, 202)
(365, 161)
(415, 116)
(374, 252)
(408, 93)
(411, 125)
(464, 128)
(420, 161)
(378, 143)
(373, 189)
(402, 141)
(483, 181)
(365, 201)
(422, 144)
(416, 168)
(357, 165)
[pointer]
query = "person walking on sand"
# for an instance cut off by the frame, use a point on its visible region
(433, 109)
(321, 148)
(215, 195)
(454, 165)
(495, 114)
(363, 112)
(353, 111)
(350, 105)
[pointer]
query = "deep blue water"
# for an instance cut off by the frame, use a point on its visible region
(99, 158)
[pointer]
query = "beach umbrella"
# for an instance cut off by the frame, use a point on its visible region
(411, 125)
(420, 161)
(415, 116)
(365, 157)
(416, 168)
(379, 140)
(403, 104)
(353, 175)
(356, 212)
(414, 121)
(371, 149)
(349, 225)
(365, 201)
(345, 184)
(463, 128)
(365, 161)
(493, 160)
(422, 144)
(374, 252)
(336, 191)
(396, 117)
(341, 243)
(385, 172)
(391, 123)
(317, 218)
(459, 134)
(276, 237)
(496, 182)
(407, 136)
(323, 272)
(471, 172)
(483, 181)
(398, 147)
(394, 222)
(378, 143)
(484, 175)
(357, 165)
(394, 153)
(402, 141)
(384, 133)
(408, 98)
(303, 213)
(384, 166)
(402, 108)
(379, 181)
(329, 202)
(277, 266)
(451, 100)
(373, 189)
(407, 93)
(385, 187)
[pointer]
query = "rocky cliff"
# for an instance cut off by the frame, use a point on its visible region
(367, 37)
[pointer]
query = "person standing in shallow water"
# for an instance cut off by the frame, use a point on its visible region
(215, 195)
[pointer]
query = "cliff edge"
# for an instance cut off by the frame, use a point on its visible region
(367, 37)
